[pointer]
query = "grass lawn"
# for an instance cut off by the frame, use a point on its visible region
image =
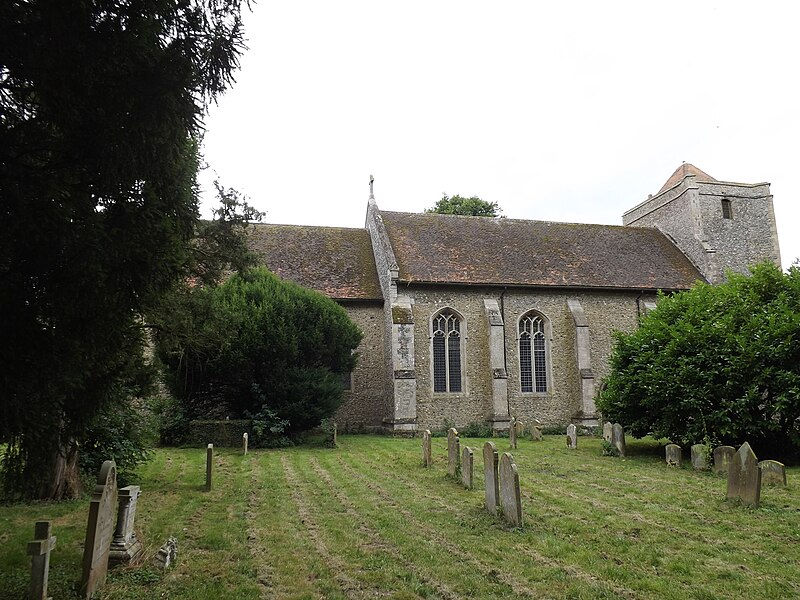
(366, 520)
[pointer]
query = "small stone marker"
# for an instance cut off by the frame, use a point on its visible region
(509, 490)
(453, 453)
(209, 465)
(700, 457)
(167, 554)
(99, 530)
(39, 551)
(125, 546)
(744, 476)
(512, 433)
(427, 459)
(607, 431)
(491, 465)
(467, 463)
(244, 442)
(536, 430)
(723, 455)
(572, 436)
(674, 455)
(618, 439)
(772, 472)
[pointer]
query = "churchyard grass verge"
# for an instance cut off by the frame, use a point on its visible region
(367, 520)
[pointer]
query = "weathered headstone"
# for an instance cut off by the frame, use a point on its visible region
(167, 554)
(467, 463)
(674, 455)
(39, 551)
(700, 457)
(744, 476)
(125, 546)
(209, 465)
(536, 430)
(453, 453)
(244, 443)
(490, 477)
(427, 456)
(572, 436)
(512, 433)
(510, 499)
(607, 431)
(723, 455)
(99, 530)
(618, 439)
(772, 472)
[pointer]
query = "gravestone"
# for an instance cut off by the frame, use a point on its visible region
(453, 453)
(427, 457)
(772, 472)
(39, 551)
(723, 455)
(510, 500)
(167, 554)
(125, 546)
(618, 439)
(700, 457)
(209, 465)
(572, 436)
(490, 477)
(536, 430)
(244, 442)
(674, 455)
(607, 431)
(744, 477)
(99, 530)
(467, 463)
(512, 433)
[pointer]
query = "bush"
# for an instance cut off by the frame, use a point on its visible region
(714, 363)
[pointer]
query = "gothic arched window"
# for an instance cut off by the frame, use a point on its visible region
(532, 353)
(446, 352)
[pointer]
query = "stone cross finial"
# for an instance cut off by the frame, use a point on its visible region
(371, 191)
(39, 551)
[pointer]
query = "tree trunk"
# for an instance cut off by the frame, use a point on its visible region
(57, 476)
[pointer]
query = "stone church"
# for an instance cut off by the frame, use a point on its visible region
(476, 319)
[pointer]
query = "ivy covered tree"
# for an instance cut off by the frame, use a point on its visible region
(458, 205)
(101, 107)
(259, 345)
(719, 364)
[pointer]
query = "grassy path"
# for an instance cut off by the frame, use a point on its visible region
(367, 521)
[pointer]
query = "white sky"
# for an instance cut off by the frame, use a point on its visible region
(563, 111)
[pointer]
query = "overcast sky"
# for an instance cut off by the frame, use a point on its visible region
(562, 111)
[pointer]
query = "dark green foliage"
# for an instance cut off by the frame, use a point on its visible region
(716, 364)
(100, 115)
(472, 206)
(476, 429)
(257, 341)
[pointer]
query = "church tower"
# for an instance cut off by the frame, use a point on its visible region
(719, 225)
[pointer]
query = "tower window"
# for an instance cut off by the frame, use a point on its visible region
(727, 211)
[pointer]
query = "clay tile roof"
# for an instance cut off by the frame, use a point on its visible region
(336, 261)
(685, 170)
(480, 250)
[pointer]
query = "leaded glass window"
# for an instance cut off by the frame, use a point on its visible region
(532, 354)
(446, 352)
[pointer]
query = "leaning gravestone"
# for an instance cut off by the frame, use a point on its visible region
(723, 455)
(618, 439)
(772, 472)
(209, 465)
(744, 477)
(512, 433)
(99, 530)
(536, 430)
(607, 431)
(39, 551)
(520, 427)
(467, 462)
(700, 457)
(572, 436)
(426, 448)
(509, 490)
(126, 546)
(453, 453)
(674, 455)
(490, 477)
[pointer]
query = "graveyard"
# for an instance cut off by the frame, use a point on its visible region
(369, 519)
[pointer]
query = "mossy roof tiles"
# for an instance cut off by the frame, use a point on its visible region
(336, 261)
(480, 250)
